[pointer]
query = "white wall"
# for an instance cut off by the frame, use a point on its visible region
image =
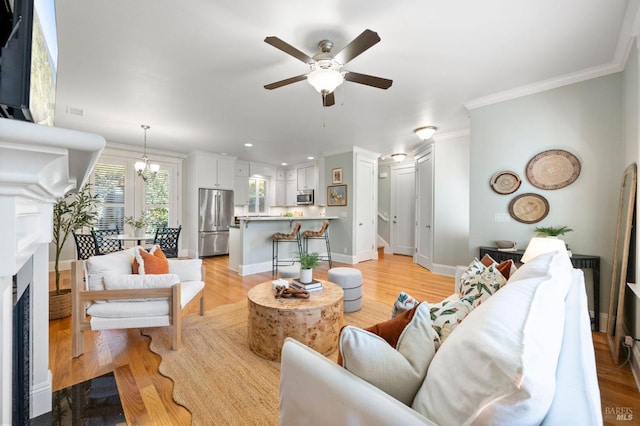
(583, 118)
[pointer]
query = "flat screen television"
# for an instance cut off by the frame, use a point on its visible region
(28, 60)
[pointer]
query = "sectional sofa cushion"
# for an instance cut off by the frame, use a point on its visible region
(96, 267)
(496, 351)
(397, 371)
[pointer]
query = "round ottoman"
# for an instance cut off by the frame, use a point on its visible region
(350, 280)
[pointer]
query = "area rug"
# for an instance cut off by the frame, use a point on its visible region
(215, 374)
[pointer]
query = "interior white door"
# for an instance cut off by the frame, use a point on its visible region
(403, 202)
(424, 211)
(365, 212)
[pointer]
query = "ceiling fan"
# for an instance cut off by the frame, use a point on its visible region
(326, 72)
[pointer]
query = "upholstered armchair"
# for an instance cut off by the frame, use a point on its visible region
(106, 294)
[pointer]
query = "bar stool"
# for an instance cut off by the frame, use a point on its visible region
(279, 237)
(322, 234)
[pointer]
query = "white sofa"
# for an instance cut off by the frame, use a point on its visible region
(107, 295)
(316, 391)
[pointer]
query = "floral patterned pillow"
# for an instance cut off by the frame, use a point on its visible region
(479, 282)
(446, 315)
(403, 303)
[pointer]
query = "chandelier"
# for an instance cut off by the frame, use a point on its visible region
(143, 167)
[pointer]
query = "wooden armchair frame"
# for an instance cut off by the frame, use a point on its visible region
(80, 320)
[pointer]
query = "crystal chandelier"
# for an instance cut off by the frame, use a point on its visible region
(143, 165)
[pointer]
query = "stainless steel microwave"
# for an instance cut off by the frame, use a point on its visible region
(305, 197)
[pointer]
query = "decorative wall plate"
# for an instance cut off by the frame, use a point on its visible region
(529, 208)
(505, 182)
(553, 169)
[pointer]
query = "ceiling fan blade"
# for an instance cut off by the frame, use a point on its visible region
(369, 80)
(288, 49)
(361, 43)
(285, 82)
(328, 100)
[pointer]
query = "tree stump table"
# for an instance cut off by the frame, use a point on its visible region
(315, 321)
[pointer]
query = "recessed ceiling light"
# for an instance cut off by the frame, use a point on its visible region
(310, 158)
(283, 164)
(249, 145)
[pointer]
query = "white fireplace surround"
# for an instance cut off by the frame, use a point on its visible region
(38, 166)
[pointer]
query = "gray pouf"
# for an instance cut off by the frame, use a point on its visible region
(292, 271)
(350, 280)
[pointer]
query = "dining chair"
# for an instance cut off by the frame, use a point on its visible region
(167, 239)
(104, 245)
(85, 245)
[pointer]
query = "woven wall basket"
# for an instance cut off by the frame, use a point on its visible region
(59, 304)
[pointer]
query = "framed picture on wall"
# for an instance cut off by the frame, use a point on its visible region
(337, 195)
(337, 175)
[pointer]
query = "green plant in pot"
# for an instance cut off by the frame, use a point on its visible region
(308, 261)
(69, 214)
(138, 224)
(550, 231)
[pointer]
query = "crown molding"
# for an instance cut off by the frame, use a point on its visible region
(628, 32)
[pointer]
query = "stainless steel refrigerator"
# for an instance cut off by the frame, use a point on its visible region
(214, 217)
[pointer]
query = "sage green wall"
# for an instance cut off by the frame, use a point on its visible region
(632, 142)
(451, 201)
(584, 118)
(341, 230)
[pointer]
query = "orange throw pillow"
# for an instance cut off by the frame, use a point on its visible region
(153, 262)
(389, 330)
(503, 267)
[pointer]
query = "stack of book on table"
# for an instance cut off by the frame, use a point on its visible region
(314, 285)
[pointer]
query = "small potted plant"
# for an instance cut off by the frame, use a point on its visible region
(308, 261)
(550, 231)
(138, 224)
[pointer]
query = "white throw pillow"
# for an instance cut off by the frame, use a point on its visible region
(400, 371)
(499, 366)
(117, 263)
(186, 269)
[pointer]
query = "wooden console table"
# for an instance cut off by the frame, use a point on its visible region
(579, 261)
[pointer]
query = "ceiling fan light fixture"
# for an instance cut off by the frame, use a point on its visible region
(398, 157)
(425, 132)
(325, 80)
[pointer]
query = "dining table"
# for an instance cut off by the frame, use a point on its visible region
(126, 237)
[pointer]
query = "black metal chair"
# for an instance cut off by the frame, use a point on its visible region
(104, 245)
(86, 245)
(167, 239)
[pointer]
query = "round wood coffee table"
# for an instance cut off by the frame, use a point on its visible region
(315, 321)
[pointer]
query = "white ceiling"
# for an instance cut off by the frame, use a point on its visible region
(195, 70)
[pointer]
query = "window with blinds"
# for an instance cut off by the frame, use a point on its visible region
(257, 195)
(109, 185)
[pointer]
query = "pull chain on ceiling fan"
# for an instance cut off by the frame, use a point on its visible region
(326, 71)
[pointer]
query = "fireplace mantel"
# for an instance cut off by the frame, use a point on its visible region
(38, 166)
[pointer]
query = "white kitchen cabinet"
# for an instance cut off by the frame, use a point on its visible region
(306, 177)
(291, 192)
(291, 174)
(242, 168)
(214, 172)
(281, 174)
(241, 190)
(281, 193)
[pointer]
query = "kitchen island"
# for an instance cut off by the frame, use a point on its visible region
(250, 249)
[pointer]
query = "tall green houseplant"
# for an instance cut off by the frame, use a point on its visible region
(72, 212)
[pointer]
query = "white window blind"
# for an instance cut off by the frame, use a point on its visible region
(109, 185)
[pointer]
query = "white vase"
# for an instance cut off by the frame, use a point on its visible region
(139, 232)
(306, 276)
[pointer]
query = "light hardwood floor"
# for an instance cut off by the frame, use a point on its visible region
(146, 394)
